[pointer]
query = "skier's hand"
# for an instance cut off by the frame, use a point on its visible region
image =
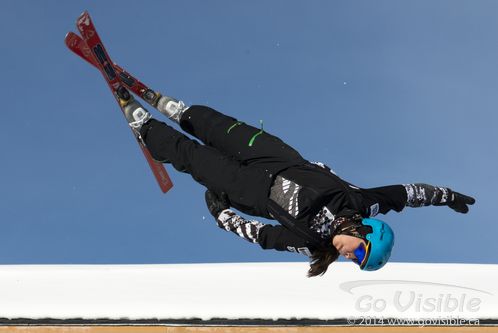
(460, 201)
(216, 204)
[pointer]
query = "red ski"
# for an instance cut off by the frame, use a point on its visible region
(101, 59)
(76, 44)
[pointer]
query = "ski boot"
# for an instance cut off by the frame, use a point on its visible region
(136, 115)
(171, 108)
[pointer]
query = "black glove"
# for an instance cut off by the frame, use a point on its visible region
(216, 204)
(459, 202)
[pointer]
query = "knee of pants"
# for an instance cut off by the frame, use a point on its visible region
(198, 120)
(165, 143)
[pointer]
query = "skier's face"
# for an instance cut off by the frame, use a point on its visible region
(346, 245)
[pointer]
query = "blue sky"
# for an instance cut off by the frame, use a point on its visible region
(384, 92)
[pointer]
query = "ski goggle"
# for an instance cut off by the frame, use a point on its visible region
(361, 253)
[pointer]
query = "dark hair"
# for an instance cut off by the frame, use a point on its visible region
(321, 259)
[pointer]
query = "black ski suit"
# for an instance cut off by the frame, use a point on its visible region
(246, 163)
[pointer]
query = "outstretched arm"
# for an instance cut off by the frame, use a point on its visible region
(419, 195)
(266, 235)
(380, 200)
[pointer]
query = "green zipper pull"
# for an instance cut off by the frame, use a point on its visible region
(256, 135)
(234, 125)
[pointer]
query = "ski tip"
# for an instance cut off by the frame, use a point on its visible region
(70, 39)
(84, 18)
(70, 35)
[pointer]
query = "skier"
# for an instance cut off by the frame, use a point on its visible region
(321, 215)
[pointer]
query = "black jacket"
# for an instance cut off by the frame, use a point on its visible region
(315, 186)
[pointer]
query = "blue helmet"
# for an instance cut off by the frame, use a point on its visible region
(379, 245)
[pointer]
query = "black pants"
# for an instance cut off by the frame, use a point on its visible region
(228, 161)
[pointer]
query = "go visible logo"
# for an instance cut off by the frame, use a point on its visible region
(414, 296)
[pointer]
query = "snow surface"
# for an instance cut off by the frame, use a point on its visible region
(248, 290)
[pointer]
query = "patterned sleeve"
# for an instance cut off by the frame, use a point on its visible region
(419, 195)
(249, 230)
(268, 236)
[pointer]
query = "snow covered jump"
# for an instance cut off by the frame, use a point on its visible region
(246, 168)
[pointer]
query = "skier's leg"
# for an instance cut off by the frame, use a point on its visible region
(245, 143)
(247, 187)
